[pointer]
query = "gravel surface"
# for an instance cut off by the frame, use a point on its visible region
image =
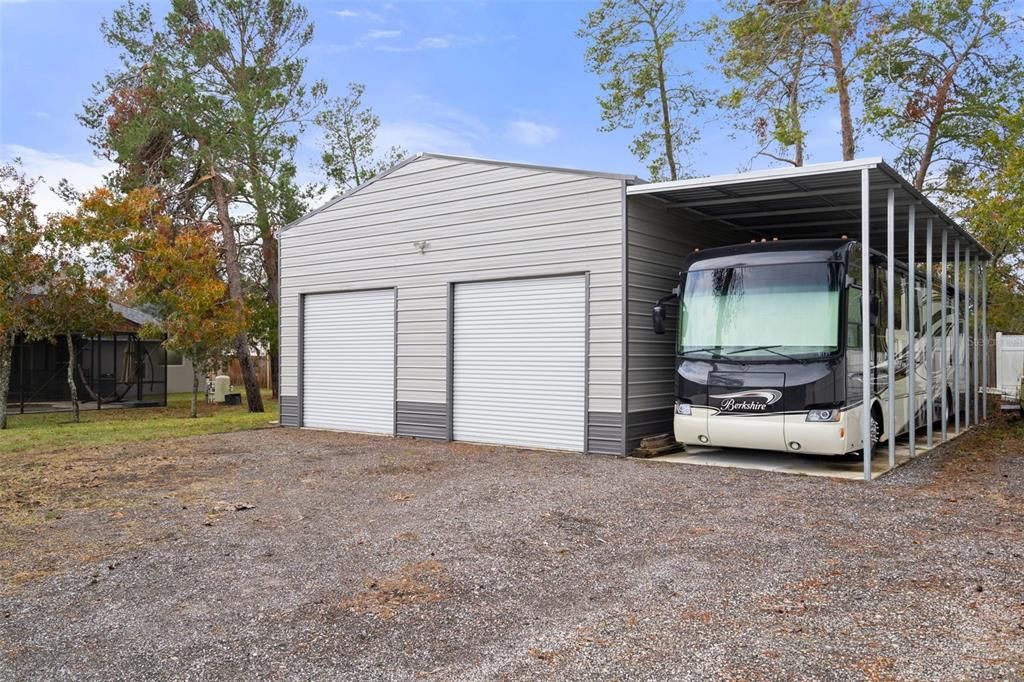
(288, 554)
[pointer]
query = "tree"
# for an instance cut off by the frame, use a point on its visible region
(173, 267)
(178, 275)
(22, 269)
(765, 50)
(939, 75)
(630, 45)
(841, 25)
(786, 57)
(208, 109)
(991, 203)
(349, 156)
(250, 54)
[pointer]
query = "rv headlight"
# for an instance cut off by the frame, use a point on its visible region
(823, 416)
(683, 409)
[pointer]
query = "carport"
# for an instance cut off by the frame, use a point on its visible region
(868, 200)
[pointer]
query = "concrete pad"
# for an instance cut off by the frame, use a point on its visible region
(801, 464)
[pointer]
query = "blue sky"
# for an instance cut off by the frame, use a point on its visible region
(503, 80)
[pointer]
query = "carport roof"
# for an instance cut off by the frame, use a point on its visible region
(819, 200)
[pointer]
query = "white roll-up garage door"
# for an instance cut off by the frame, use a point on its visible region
(519, 362)
(348, 361)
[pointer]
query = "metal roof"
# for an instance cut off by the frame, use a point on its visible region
(470, 159)
(818, 200)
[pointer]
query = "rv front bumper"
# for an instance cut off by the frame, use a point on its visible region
(780, 432)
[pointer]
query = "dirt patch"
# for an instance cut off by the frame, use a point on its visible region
(419, 583)
(46, 499)
(408, 464)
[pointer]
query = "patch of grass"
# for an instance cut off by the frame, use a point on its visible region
(94, 473)
(40, 433)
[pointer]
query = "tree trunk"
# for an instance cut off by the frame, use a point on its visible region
(72, 388)
(249, 379)
(794, 112)
(666, 118)
(843, 90)
(941, 99)
(6, 350)
(194, 412)
(270, 265)
(275, 370)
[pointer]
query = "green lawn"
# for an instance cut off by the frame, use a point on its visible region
(48, 432)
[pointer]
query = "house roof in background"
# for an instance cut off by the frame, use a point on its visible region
(134, 315)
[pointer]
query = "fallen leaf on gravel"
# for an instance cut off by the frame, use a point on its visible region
(702, 616)
(541, 655)
(402, 497)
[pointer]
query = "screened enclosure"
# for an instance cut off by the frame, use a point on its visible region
(113, 370)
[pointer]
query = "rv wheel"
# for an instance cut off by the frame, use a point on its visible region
(875, 428)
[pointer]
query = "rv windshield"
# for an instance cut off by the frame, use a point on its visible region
(761, 311)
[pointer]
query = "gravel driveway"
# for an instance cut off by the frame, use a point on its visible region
(288, 554)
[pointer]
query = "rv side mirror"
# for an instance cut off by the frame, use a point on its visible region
(658, 319)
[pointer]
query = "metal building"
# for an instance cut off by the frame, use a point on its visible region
(470, 299)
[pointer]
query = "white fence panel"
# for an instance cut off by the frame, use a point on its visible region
(1009, 362)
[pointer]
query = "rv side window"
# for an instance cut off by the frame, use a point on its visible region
(853, 268)
(853, 318)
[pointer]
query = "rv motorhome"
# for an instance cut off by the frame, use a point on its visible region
(769, 347)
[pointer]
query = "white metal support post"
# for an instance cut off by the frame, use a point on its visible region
(890, 314)
(943, 341)
(865, 319)
(977, 311)
(911, 331)
(929, 350)
(956, 337)
(984, 338)
(967, 337)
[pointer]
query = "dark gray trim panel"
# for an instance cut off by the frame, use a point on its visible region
(422, 420)
(289, 405)
(646, 423)
(604, 433)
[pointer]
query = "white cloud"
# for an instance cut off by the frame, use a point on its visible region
(381, 34)
(417, 136)
(83, 174)
(355, 14)
(434, 43)
(530, 133)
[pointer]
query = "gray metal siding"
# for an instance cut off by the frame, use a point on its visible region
(480, 221)
(604, 433)
(658, 240)
(289, 406)
(423, 420)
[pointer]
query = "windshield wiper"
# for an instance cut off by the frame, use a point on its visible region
(712, 350)
(770, 349)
